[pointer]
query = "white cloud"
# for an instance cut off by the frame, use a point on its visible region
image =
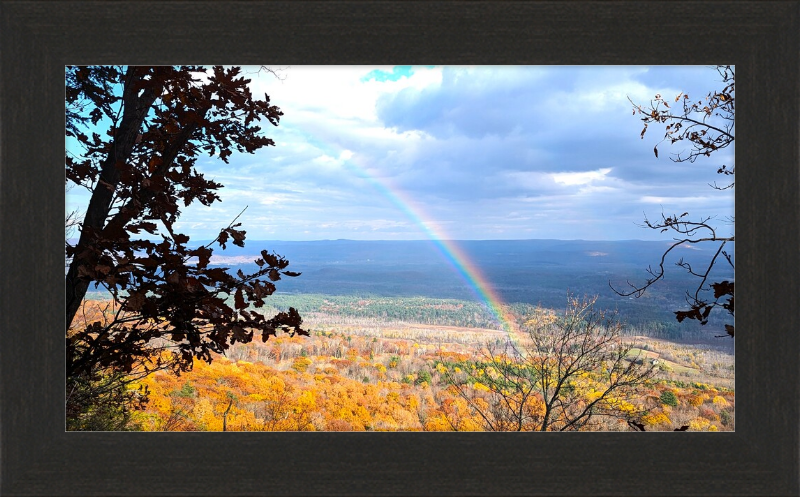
(580, 178)
(647, 199)
(314, 92)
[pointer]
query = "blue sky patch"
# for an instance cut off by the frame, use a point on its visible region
(396, 73)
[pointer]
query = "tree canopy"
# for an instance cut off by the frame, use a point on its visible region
(138, 132)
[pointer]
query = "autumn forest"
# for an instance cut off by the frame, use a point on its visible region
(175, 326)
(361, 369)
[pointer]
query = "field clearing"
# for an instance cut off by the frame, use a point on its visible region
(702, 363)
(435, 334)
(674, 366)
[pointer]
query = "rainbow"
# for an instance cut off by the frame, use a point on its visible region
(449, 249)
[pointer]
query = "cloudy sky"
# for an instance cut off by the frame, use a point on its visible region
(383, 153)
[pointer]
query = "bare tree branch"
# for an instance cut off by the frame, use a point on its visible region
(693, 124)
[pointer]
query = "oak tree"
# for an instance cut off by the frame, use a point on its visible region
(136, 134)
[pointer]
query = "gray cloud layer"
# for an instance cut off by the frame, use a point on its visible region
(477, 153)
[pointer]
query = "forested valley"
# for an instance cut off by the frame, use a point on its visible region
(378, 363)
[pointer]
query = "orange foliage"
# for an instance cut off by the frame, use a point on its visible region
(287, 390)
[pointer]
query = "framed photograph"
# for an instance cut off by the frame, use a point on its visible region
(393, 41)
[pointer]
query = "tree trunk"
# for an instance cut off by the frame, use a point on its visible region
(225, 416)
(135, 109)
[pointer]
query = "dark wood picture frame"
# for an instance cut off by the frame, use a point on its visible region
(37, 38)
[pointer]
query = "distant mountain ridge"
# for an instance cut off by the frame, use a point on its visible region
(519, 271)
(482, 252)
